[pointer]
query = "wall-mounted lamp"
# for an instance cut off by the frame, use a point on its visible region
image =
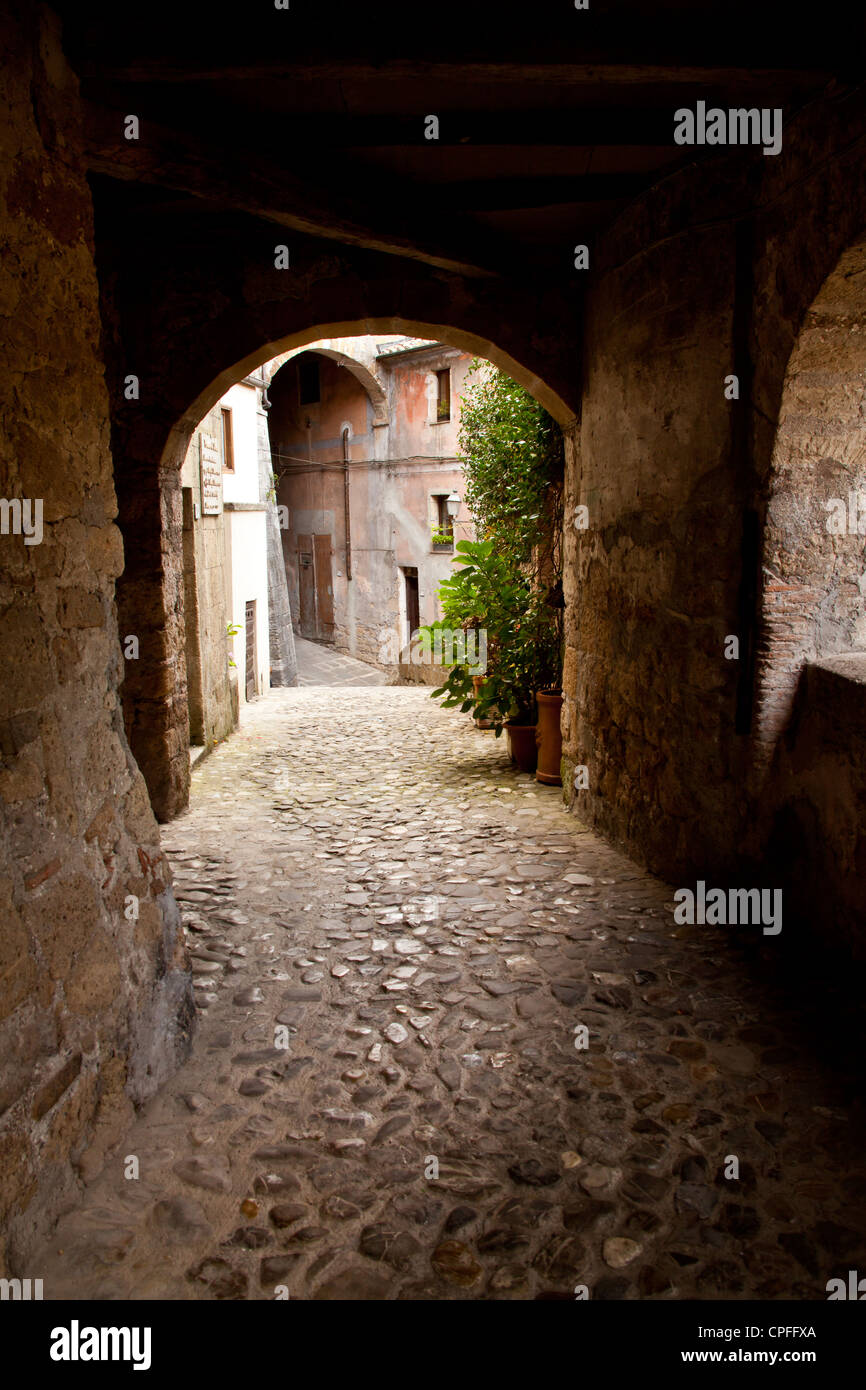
(452, 504)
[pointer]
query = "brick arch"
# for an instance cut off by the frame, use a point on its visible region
(813, 601)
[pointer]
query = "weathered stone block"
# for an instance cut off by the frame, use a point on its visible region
(26, 1038)
(94, 982)
(61, 919)
(76, 607)
(49, 1093)
(17, 967)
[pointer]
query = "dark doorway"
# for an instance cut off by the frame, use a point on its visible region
(324, 588)
(250, 682)
(413, 607)
(306, 588)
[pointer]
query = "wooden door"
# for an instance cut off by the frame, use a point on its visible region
(306, 588)
(250, 683)
(413, 608)
(324, 588)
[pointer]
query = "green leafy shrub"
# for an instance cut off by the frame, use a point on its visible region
(508, 582)
(489, 593)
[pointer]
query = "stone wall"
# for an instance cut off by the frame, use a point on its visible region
(94, 1003)
(817, 845)
(197, 313)
(714, 272)
(816, 515)
(652, 580)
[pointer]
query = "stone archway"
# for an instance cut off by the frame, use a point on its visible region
(345, 353)
(814, 573)
(156, 711)
(175, 448)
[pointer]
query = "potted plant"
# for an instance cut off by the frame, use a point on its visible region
(461, 639)
(509, 581)
(490, 599)
(440, 539)
(522, 745)
(548, 696)
(549, 736)
(477, 686)
(521, 691)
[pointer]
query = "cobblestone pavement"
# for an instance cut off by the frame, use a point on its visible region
(367, 873)
(320, 665)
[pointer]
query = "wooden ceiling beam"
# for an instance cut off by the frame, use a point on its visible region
(239, 180)
(168, 70)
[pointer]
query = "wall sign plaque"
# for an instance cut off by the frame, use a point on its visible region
(210, 465)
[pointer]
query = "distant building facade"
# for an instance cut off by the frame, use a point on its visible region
(363, 436)
(225, 478)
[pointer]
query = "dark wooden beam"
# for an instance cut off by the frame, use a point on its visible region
(595, 125)
(240, 180)
(504, 194)
(600, 74)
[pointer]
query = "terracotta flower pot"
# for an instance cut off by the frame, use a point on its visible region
(521, 746)
(549, 739)
(477, 683)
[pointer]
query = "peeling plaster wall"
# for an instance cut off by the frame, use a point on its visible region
(392, 507)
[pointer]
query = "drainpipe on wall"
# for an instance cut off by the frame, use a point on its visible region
(346, 501)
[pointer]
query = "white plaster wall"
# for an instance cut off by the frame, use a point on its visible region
(249, 566)
(243, 484)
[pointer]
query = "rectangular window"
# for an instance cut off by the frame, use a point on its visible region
(308, 380)
(444, 524)
(228, 441)
(443, 395)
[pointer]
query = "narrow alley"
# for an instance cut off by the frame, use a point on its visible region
(365, 877)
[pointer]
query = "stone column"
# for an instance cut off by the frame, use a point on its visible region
(150, 607)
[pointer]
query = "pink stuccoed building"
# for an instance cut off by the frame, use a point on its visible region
(363, 437)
